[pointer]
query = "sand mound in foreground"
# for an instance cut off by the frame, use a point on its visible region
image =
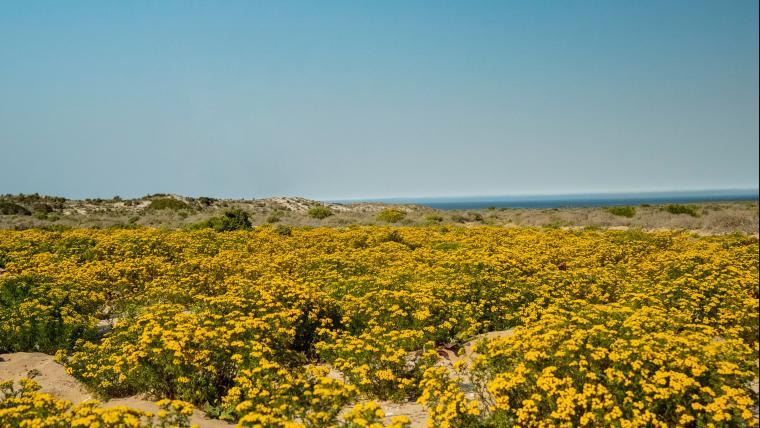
(53, 379)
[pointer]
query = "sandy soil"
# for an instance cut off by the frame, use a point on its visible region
(54, 380)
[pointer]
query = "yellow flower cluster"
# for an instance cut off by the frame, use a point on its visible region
(610, 327)
(370, 415)
(447, 403)
(583, 364)
(28, 408)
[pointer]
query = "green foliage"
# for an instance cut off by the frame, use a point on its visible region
(320, 212)
(283, 230)
(434, 218)
(556, 224)
(35, 315)
(9, 208)
(206, 201)
(391, 215)
(622, 211)
(467, 217)
(682, 209)
(167, 204)
(42, 207)
(234, 219)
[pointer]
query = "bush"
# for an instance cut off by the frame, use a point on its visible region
(41, 207)
(235, 219)
(9, 208)
(320, 212)
(15, 410)
(682, 209)
(38, 316)
(622, 211)
(391, 215)
(206, 201)
(434, 218)
(283, 230)
(610, 356)
(273, 218)
(467, 218)
(167, 204)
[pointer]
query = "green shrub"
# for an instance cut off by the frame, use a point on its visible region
(235, 219)
(9, 208)
(391, 215)
(273, 218)
(320, 212)
(206, 201)
(434, 218)
(167, 204)
(467, 218)
(283, 230)
(393, 236)
(682, 209)
(41, 207)
(556, 224)
(622, 211)
(37, 315)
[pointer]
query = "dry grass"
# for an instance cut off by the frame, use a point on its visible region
(714, 217)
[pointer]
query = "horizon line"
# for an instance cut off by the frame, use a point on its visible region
(754, 191)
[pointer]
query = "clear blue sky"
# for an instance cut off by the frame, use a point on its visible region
(330, 99)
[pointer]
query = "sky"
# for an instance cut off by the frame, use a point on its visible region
(367, 99)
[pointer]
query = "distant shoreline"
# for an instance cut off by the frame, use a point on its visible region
(588, 200)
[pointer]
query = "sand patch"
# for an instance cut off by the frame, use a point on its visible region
(54, 380)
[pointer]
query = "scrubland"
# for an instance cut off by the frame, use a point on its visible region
(313, 327)
(173, 212)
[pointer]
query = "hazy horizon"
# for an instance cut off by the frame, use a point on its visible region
(344, 100)
(746, 191)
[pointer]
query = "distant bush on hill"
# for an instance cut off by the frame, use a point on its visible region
(167, 204)
(622, 211)
(235, 219)
(467, 217)
(42, 207)
(206, 201)
(9, 208)
(35, 197)
(434, 218)
(682, 209)
(320, 212)
(391, 215)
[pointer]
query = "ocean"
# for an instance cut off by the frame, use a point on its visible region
(571, 200)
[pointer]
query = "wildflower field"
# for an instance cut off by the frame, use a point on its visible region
(598, 327)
